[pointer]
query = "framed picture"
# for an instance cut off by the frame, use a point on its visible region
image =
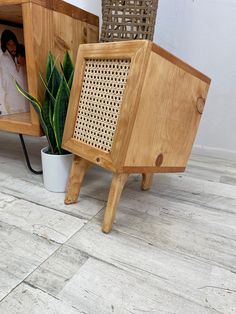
(12, 68)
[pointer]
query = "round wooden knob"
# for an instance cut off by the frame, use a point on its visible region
(200, 104)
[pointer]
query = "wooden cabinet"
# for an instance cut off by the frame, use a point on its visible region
(134, 108)
(48, 25)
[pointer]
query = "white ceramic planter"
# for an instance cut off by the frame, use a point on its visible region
(56, 169)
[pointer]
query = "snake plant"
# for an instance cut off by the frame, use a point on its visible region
(52, 111)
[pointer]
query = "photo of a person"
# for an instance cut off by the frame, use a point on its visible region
(12, 67)
(20, 56)
(21, 66)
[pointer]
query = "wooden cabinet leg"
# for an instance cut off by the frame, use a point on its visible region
(146, 181)
(117, 185)
(78, 169)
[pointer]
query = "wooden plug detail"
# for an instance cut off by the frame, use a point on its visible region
(200, 104)
(146, 181)
(117, 185)
(78, 169)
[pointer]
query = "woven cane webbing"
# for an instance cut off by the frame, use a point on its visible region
(100, 101)
(128, 19)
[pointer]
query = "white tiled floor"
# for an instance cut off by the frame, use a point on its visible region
(172, 249)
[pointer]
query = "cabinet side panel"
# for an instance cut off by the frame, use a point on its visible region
(68, 33)
(38, 30)
(168, 116)
(47, 30)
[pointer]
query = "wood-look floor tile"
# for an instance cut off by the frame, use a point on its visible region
(175, 272)
(20, 254)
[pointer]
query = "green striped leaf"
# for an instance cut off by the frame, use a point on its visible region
(38, 108)
(60, 111)
(67, 67)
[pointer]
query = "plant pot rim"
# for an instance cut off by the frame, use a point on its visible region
(44, 150)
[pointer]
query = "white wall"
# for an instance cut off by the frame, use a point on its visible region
(93, 6)
(203, 34)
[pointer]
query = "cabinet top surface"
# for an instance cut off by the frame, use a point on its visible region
(59, 6)
(129, 47)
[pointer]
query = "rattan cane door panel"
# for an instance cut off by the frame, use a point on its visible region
(100, 101)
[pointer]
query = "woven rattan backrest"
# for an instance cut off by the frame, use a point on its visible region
(100, 101)
(128, 19)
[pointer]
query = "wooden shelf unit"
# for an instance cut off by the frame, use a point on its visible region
(48, 25)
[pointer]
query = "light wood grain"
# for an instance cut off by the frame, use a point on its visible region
(167, 116)
(146, 181)
(48, 30)
(77, 173)
(180, 63)
(20, 123)
(117, 185)
(58, 6)
(11, 13)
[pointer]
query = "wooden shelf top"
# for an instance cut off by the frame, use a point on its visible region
(95, 50)
(22, 117)
(56, 5)
(11, 14)
(186, 67)
(19, 123)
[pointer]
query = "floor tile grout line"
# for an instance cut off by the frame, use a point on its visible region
(182, 254)
(60, 246)
(52, 208)
(171, 251)
(133, 274)
(51, 295)
(123, 270)
(86, 219)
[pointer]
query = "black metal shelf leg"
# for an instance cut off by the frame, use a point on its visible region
(27, 156)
